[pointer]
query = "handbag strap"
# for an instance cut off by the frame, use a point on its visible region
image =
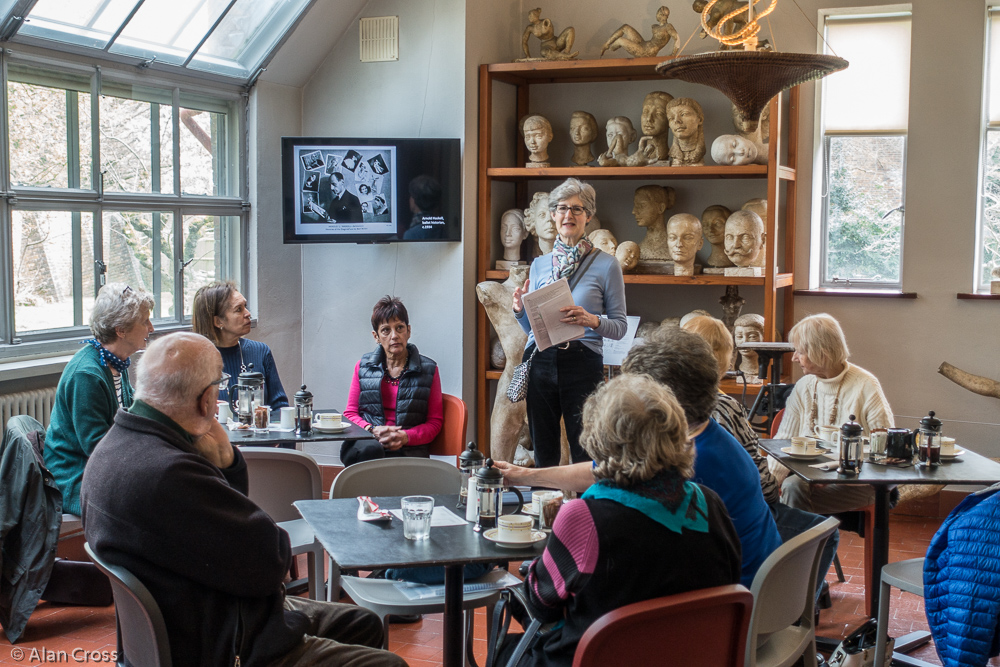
(584, 265)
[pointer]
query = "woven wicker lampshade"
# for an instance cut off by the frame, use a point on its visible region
(751, 78)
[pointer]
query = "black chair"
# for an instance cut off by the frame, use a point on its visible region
(142, 634)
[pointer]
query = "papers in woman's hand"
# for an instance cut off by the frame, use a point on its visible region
(543, 309)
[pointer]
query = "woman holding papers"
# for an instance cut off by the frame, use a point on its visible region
(563, 375)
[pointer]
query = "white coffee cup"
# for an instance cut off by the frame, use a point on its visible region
(803, 445)
(829, 434)
(514, 528)
(947, 445)
(536, 498)
(287, 418)
(328, 419)
(223, 413)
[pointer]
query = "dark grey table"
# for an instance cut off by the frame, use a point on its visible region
(970, 468)
(293, 440)
(360, 545)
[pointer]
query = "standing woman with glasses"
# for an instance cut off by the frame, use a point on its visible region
(562, 376)
(221, 315)
(94, 384)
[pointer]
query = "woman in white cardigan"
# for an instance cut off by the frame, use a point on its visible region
(831, 391)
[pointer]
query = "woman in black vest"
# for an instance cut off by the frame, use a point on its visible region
(396, 392)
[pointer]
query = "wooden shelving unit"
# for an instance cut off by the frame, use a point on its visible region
(525, 75)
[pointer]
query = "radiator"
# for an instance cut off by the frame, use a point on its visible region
(36, 403)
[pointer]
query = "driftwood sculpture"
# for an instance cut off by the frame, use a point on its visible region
(977, 384)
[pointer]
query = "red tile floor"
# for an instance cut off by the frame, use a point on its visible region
(84, 630)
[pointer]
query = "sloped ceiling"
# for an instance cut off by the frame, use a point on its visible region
(322, 27)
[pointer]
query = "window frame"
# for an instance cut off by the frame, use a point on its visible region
(979, 284)
(232, 210)
(820, 208)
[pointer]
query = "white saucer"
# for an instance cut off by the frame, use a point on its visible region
(536, 536)
(954, 455)
(336, 429)
(804, 457)
(529, 510)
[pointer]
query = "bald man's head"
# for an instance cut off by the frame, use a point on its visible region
(176, 369)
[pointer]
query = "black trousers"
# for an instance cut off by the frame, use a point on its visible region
(558, 385)
(356, 451)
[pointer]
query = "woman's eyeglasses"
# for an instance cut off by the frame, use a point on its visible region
(575, 210)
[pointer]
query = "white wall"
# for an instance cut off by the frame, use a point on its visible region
(275, 278)
(901, 341)
(421, 95)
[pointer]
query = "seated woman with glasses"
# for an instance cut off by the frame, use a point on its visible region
(94, 384)
(562, 376)
(221, 315)
(643, 530)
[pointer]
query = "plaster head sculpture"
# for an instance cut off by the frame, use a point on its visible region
(627, 255)
(537, 133)
(605, 240)
(758, 206)
(583, 133)
(757, 130)
(649, 205)
(620, 135)
(512, 234)
(539, 223)
(684, 240)
(749, 328)
(713, 223)
(734, 150)
(687, 122)
(744, 238)
(654, 144)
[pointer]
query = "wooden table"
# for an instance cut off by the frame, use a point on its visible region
(360, 545)
(970, 468)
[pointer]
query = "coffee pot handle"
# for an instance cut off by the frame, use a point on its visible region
(233, 390)
(520, 500)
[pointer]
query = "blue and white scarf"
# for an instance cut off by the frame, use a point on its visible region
(108, 357)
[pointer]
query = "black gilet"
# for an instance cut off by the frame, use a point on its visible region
(414, 388)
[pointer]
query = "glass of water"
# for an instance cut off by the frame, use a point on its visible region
(417, 511)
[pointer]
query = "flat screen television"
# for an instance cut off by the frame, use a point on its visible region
(364, 190)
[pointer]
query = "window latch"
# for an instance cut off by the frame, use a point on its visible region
(102, 270)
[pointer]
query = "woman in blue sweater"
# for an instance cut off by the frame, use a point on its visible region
(221, 315)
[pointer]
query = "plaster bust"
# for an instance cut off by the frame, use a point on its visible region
(759, 206)
(539, 222)
(620, 135)
(734, 150)
(744, 238)
(512, 234)
(605, 240)
(627, 255)
(713, 223)
(649, 204)
(749, 328)
(583, 133)
(654, 145)
(757, 130)
(686, 121)
(628, 38)
(684, 240)
(537, 133)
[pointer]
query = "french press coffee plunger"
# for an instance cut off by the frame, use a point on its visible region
(927, 440)
(851, 448)
(489, 490)
(247, 394)
(469, 462)
(303, 410)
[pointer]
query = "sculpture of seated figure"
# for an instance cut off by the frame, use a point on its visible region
(745, 239)
(749, 328)
(759, 206)
(687, 122)
(628, 38)
(684, 240)
(734, 150)
(538, 221)
(537, 133)
(552, 48)
(605, 240)
(621, 134)
(512, 234)
(649, 205)
(582, 132)
(627, 255)
(713, 222)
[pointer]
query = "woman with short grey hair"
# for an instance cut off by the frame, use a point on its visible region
(561, 377)
(642, 516)
(94, 384)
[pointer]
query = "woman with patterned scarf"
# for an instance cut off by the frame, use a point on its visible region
(641, 531)
(94, 384)
(562, 377)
